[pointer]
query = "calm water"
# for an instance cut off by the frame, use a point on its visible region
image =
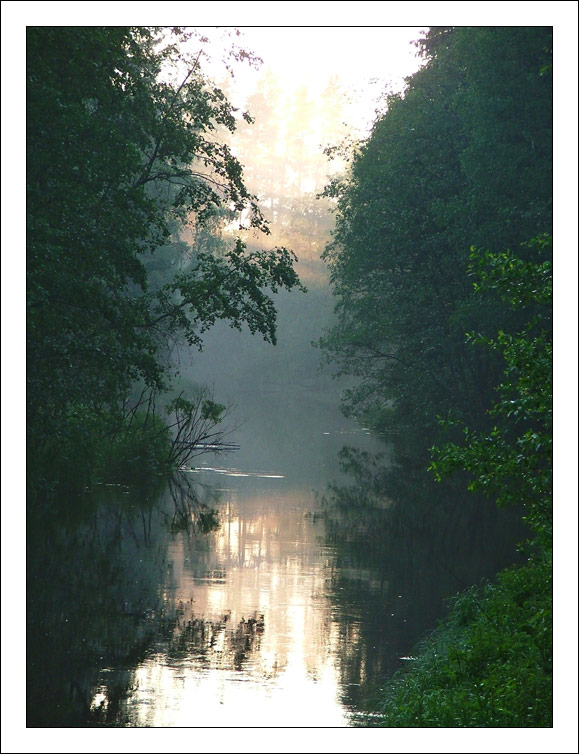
(262, 649)
(246, 594)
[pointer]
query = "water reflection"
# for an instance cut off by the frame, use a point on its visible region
(240, 597)
(256, 634)
(183, 612)
(404, 544)
(97, 580)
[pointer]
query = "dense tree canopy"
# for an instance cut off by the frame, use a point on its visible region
(461, 158)
(123, 150)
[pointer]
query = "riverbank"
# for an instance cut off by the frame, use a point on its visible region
(488, 664)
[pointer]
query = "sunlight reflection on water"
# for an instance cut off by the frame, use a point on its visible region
(260, 645)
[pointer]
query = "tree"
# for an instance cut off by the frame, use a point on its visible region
(121, 154)
(259, 141)
(299, 130)
(460, 158)
(513, 462)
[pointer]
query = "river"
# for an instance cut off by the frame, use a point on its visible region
(247, 593)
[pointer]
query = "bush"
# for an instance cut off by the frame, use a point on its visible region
(98, 448)
(140, 451)
(489, 664)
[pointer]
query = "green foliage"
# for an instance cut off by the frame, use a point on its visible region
(488, 665)
(195, 424)
(120, 155)
(229, 287)
(462, 157)
(137, 453)
(65, 462)
(105, 448)
(513, 461)
(212, 411)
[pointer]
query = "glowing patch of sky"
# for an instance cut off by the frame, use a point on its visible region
(367, 60)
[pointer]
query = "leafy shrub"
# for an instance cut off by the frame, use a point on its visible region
(489, 664)
(140, 451)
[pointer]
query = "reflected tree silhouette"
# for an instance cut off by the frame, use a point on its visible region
(97, 579)
(216, 643)
(404, 545)
(192, 513)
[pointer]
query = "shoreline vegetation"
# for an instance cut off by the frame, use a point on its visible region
(454, 347)
(488, 664)
(127, 155)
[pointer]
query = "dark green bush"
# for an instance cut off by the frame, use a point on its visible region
(140, 451)
(489, 664)
(98, 448)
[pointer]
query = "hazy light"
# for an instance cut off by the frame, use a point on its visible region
(367, 60)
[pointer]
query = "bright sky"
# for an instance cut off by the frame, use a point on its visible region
(365, 58)
(356, 54)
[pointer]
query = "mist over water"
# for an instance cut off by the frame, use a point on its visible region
(285, 407)
(265, 588)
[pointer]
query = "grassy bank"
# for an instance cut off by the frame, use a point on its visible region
(489, 664)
